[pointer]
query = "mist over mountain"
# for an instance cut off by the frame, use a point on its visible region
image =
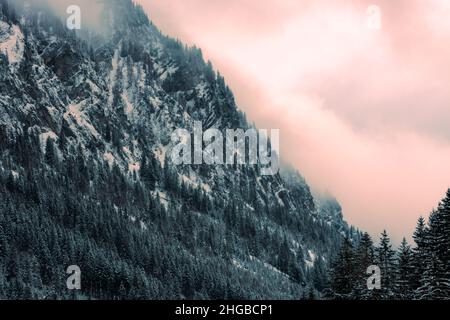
(86, 119)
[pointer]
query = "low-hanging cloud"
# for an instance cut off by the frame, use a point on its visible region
(364, 113)
(91, 11)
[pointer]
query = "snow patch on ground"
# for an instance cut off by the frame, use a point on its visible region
(160, 155)
(171, 70)
(202, 89)
(312, 259)
(11, 42)
(163, 199)
(312, 255)
(74, 112)
(206, 187)
(43, 137)
(15, 174)
(238, 264)
(108, 156)
(112, 76)
(134, 167)
(192, 181)
(156, 102)
(127, 152)
(249, 207)
(128, 105)
(93, 86)
(277, 194)
(268, 266)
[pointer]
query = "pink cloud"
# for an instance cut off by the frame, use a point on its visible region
(364, 114)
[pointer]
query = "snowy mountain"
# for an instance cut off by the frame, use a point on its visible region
(85, 126)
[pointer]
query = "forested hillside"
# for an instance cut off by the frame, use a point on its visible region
(85, 176)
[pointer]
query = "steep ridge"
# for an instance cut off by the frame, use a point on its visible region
(85, 129)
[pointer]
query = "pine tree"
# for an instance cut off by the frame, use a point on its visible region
(385, 258)
(4, 59)
(50, 153)
(4, 246)
(435, 282)
(364, 258)
(311, 294)
(82, 171)
(342, 274)
(404, 284)
(428, 280)
(442, 247)
(420, 252)
(148, 173)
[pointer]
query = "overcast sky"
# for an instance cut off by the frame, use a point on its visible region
(364, 113)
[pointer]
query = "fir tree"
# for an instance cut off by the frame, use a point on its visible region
(404, 284)
(442, 245)
(435, 282)
(343, 268)
(420, 252)
(311, 294)
(364, 258)
(385, 258)
(50, 152)
(148, 173)
(4, 59)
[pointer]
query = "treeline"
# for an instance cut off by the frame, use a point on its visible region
(421, 271)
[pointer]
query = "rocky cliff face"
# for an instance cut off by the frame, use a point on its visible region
(85, 126)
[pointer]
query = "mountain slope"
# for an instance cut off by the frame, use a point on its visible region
(85, 126)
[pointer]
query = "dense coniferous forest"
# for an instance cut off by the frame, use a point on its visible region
(86, 180)
(420, 272)
(52, 217)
